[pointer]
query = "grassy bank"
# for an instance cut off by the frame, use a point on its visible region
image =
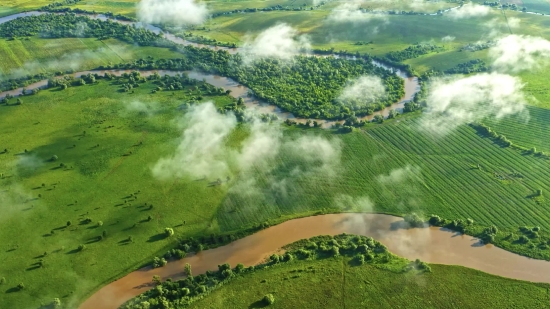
(339, 282)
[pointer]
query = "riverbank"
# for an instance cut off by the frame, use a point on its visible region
(432, 245)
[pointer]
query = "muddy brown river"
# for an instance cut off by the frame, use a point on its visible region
(433, 245)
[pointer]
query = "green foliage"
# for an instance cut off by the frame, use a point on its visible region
(268, 299)
(412, 51)
(414, 220)
(168, 232)
(159, 262)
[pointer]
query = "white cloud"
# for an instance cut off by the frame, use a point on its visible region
(364, 90)
(453, 102)
(350, 12)
(469, 10)
(515, 53)
(448, 38)
(178, 12)
(201, 151)
(399, 175)
(261, 147)
(280, 41)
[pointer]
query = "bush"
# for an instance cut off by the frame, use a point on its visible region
(435, 220)
(414, 220)
(99, 223)
(2, 280)
(268, 299)
(56, 303)
(159, 262)
(168, 232)
(20, 286)
(81, 247)
(335, 251)
(360, 259)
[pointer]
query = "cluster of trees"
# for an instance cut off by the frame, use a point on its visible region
(277, 7)
(412, 51)
(472, 66)
(176, 294)
(310, 86)
(199, 39)
(59, 4)
(72, 25)
(509, 6)
(477, 46)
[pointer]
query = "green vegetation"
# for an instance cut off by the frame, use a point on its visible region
(321, 279)
(106, 139)
(193, 288)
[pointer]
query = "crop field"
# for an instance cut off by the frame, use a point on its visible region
(437, 176)
(529, 133)
(336, 283)
(35, 54)
(43, 196)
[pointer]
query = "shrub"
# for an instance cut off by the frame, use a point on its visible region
(523, 239)
(168, 232)
(81, 247)
(335, 251)
(56, 303)
(99, 223)
(201, 289)
(54, 158)
(2, 280)
(185, 291)
(268, 299)
(435, 220)
(274, 258)
(414, 220)
(239, 268)
(536, 229)
(20, 286)
(159, 262)
(69, 223)
(360, 259)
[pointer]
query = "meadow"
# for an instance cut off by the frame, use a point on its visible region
(339, 283)
(105, 150)
(34, 54)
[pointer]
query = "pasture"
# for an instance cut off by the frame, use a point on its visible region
(33, 55)
(105, 151)
(338, 283)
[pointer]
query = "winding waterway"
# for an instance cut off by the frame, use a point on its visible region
(411, 84)
(433, 245)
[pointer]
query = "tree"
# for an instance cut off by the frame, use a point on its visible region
(156, 280)
(20, 286)
(268, 299)
(56, 303)
(168, 232)
(2, 280)
(187, 270)
(69, 223)
(414, 220)
(19, 101)
(81, 247)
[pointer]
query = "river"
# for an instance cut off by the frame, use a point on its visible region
(433, 245)
(411, 84)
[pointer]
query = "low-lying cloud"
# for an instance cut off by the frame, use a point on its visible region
(280, 41)
(448, 38)
(364, 90)
(456, 101)
(201, 151)
(400, 175)
(177, 12)
(516, 53)
(350, 12)
(469, 10)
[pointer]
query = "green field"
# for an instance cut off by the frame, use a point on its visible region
(52, 123)
(337, 283)
(28, 56)
(436, 180)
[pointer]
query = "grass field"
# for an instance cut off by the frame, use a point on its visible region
(36, 54)
(334, 283)
(447, 183)
(50, 123)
